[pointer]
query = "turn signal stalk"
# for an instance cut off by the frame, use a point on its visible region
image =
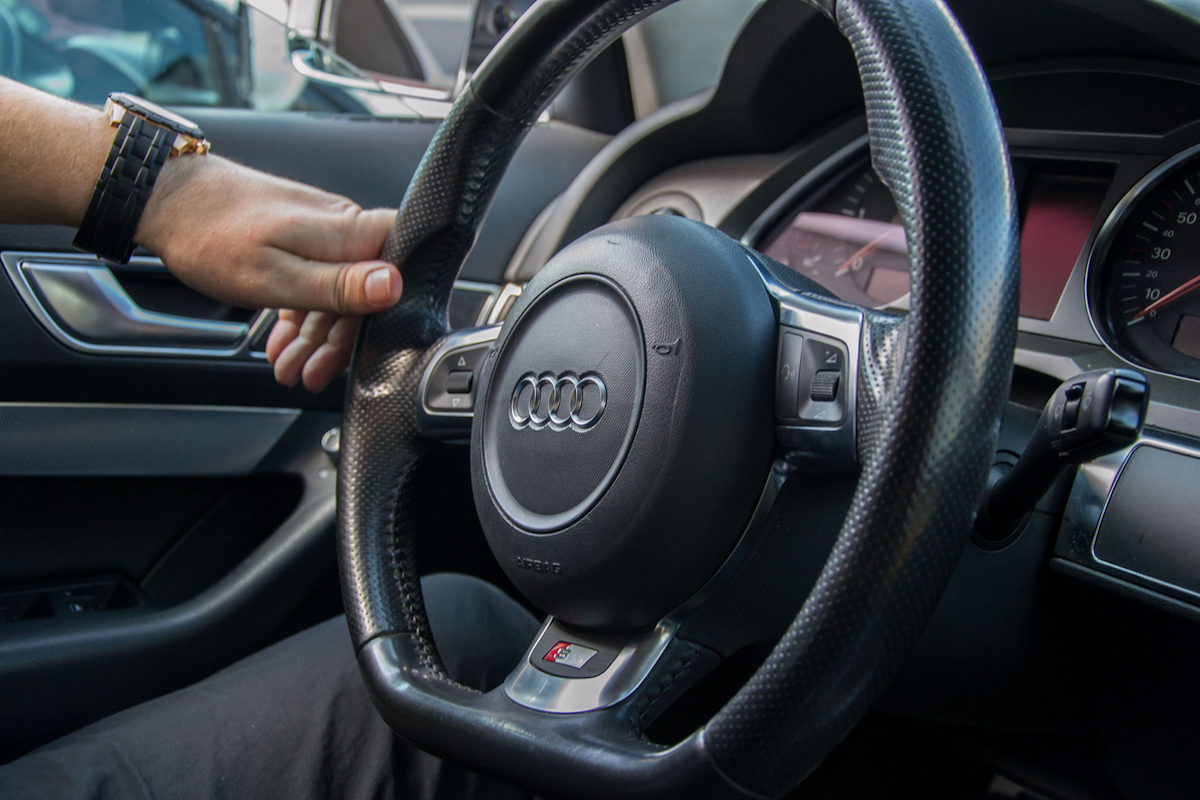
(1089, 416)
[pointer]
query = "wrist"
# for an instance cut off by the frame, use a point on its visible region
(52, 183)
(167, 207)
(146, 138)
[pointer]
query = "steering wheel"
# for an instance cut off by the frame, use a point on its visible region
(631, 422)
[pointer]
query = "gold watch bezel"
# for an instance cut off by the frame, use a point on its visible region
(183, 143)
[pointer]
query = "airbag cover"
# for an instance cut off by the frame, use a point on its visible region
(625, 422)
(577, 365)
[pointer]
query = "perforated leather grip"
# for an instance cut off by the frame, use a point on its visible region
(932, 391)
(381, 446)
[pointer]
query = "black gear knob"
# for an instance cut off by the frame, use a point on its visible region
(1088, 416)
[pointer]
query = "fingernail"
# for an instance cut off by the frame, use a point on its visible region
(379, 286)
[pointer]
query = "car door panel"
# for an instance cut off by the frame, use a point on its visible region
(64, 670)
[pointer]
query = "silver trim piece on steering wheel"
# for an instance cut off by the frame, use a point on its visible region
(540, 691)
(825, 443)
(530, 687)
(439, 424)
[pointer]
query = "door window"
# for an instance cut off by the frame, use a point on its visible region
(175, 52)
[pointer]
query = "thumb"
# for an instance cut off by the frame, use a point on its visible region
(366, 287)
(361, 287)
(351, 288)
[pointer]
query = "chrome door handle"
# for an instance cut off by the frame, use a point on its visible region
(91, 306)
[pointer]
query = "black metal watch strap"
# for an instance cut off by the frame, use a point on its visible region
(139, 150)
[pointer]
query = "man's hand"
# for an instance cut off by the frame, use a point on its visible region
(259, 241)
(233, 233)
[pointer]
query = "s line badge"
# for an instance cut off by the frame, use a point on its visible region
(570, 655)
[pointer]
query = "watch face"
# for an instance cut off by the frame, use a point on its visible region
(157, 114)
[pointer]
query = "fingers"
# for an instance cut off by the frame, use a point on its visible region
(308, 335)
(285, 329)
(311, 346)
(331, 358)
(334, 229)
(333, 262)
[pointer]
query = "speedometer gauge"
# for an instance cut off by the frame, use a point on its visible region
(1149, 270)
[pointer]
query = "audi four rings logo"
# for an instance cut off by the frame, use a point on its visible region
(557, 401)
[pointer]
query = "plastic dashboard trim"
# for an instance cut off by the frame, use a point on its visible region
(1087, 505)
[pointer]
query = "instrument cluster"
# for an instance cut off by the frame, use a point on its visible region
(848, 236)
(1143, 270)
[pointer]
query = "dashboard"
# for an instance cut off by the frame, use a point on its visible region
(1146, 269)
(1142, 271)
(1110, 277)
(1110, 246)
(849, 236)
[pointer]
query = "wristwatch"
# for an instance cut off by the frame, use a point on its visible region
(146, 136)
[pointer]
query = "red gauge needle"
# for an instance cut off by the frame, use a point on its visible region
(1174, 294)
(863, 252)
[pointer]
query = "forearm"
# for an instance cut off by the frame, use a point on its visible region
(51, 153)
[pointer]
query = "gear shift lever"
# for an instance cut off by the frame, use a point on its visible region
(1089, 416)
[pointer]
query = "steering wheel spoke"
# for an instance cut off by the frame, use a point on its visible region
(450, 381)
(816, 377)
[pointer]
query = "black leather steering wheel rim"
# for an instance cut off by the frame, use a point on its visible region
(931, 390)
